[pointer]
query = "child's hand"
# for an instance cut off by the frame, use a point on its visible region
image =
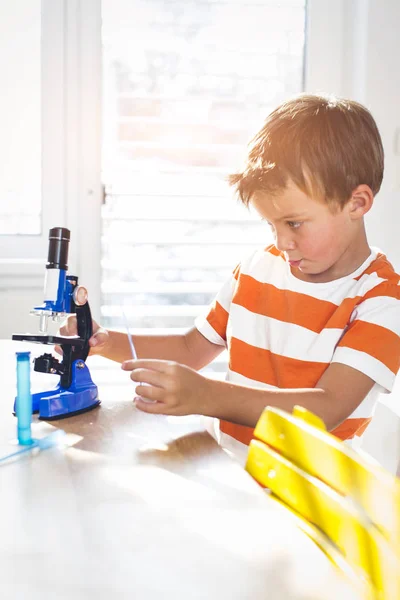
(98, 340)
(175, 389)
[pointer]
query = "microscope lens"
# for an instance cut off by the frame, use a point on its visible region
(58, 248)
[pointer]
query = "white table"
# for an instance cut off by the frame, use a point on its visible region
(142, 507)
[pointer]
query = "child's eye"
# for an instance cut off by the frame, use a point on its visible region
(294, 224)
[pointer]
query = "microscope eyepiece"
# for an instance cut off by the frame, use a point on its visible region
(58, 248)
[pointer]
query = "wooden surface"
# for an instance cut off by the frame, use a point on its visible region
(142, 507)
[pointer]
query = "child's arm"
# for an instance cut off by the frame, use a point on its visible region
(180, 391)
(191, 348)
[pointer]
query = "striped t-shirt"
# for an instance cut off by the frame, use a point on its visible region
(282, 332)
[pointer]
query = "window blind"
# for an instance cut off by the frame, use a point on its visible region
(186, 84)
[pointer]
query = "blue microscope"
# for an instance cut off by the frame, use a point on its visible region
(75, 393)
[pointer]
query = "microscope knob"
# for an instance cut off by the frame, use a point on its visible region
(80, 295)
(47, 363)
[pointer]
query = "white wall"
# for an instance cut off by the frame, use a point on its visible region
(371, 75)
(361, 61)
(382, 95)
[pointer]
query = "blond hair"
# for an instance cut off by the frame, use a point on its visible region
(326, 146)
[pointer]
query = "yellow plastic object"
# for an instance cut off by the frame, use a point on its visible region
(306, 443)
(309, 417)
(355, 576)
(336, 516)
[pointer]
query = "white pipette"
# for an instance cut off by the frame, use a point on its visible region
(133, 352)
(128, 333)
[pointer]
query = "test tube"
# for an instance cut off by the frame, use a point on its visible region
(23, 408)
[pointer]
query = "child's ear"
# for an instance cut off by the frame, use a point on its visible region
(360, 202)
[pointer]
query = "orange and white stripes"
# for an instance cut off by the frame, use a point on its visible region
(282, 332)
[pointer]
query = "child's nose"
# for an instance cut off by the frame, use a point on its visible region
(284, 242)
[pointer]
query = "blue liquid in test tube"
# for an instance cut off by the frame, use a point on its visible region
(24, 398)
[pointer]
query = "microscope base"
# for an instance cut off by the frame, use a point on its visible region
(60, 403)
(65, 404)
(69, 414)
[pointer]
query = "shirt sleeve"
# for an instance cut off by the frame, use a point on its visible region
(371, 343)
(214, 322)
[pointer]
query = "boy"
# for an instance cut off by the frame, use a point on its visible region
(314, 319)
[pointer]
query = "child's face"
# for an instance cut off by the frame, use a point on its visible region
(320, 244)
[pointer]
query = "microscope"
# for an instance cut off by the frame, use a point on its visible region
(75, 393)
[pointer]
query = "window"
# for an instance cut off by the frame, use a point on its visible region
(31, 122)
(207, 70)
(20, 119)
(185, 85)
